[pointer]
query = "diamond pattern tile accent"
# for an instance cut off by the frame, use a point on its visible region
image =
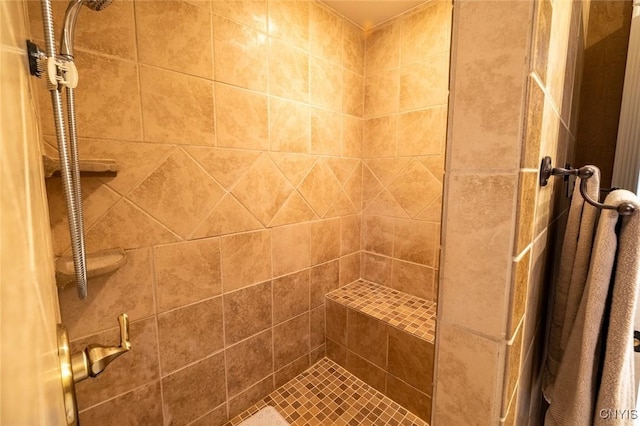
(415, 188)
(294, 166)
(341, 206)
(353, 188)
(225, 165)
(263, 189)
(227, 217)
(319, 188)
(385, 169)
(294, 210)
(386, 205)
(128, 227)
(341, 167)
(371, 186)
(178, 193)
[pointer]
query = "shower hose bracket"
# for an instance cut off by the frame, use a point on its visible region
(60, 71)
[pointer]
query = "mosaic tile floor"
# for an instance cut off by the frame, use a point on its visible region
(409, 313)
(327, 394)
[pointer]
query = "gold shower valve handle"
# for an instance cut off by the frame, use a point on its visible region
(92, 361)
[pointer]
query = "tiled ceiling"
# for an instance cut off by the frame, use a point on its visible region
(368, 14)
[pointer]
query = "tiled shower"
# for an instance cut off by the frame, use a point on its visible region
(269, 153)
(275, 158)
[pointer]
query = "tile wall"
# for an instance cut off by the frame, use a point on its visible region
(516, 70)
(237, 126)
(405, 110)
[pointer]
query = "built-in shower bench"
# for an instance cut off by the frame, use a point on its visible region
(386, 338)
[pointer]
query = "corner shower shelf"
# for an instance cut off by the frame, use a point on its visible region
(96, 168)
(98, 263)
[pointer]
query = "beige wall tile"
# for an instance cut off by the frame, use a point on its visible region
(241, 118)
(336, 322)
(414, 279)
(112, 31)
(247, 311)
(217, 416)
(249, 397)
(227, 217)
(240, 55)
(324, 278)
(488, 99)
(246, 259)
(376, 269)
(129, 289)
(289, 371)
(350, 234)
(385, 169)
(248, 362)
(377, 234)
(367, 372)
(382, 51)
(350, 268)
(351, 136)
(137, 367)
(325, 84)
(248, 12)
(353, 98)
(95, 98)
(290, 340)
(316, 327)
(97, 199)
(475, 278)
(422, 132)
(142, 405)
(367, 337)
(290, 296)
(325, 241)
(326, 132)
(415, 188)
(532, 143)
(518, 293)
(194, 391)
(263, 189)
(466, 366)
(188, 334)
(289, 21)
(511, 371)
(425, 84)
(380, 136)
(163, 94)
(288, 126)
(294, 210)
(325, 33)
(411, 359)
(191, 53)
(416, 241)
(126, 226)
(542, 33)
(353, 48)
(382, 93)
(337, 353)
(290, 248)
(288, 71)
(226, 166)
(178, 193)
(415, 401)
(426, 32)
(187, 272)
(527, 188)
(319, 188)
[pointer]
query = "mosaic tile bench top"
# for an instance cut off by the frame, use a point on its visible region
(401, 310)
(328, 395)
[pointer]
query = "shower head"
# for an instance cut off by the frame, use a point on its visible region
(70, 17)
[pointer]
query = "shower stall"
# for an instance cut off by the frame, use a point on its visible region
(280, 179)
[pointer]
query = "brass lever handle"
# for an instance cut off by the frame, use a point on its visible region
(92, 361)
